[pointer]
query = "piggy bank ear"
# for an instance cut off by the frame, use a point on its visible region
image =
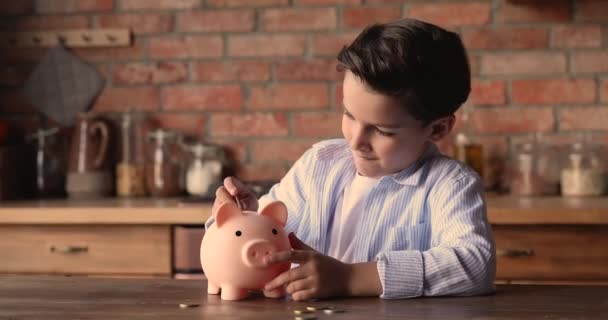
(225, 212)
(277, 211)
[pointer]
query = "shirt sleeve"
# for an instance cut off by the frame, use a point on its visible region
(461, 259)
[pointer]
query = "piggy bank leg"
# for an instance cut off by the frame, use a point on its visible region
(233, 293)
(212, 288)
(276, 293)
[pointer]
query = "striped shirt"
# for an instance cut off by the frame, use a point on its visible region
(426, 226)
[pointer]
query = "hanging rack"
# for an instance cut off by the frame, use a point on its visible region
(69, 38)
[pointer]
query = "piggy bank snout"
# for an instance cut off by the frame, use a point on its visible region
(255, 252)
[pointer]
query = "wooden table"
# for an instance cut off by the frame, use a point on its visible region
(59, 297)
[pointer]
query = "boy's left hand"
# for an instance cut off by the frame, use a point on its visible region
(318, 276)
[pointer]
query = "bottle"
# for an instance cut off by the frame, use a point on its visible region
(204, 170)
(164, 177)
(466, 150)
(583, 173)
(130, 171)
(50, 163)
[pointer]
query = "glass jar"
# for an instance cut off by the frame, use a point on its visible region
(583, 173)
(204, 169)
(50, 163)
(130, 170)
(164, 174)
(535, 169)
(466, 149)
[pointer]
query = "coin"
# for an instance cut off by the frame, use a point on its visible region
(299, 311)
(305, 317)
(188, 305)
(333, 310)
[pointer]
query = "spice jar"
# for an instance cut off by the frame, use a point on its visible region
(583, 173)
(130, 171)
(164, 169)
(466, 149)
(535, 169)
(50, 163)
(204, 170)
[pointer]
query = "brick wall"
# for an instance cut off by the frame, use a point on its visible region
(259, 76)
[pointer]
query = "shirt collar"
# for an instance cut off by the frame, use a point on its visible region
(413, 174)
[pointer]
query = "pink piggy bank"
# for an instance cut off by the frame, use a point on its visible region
(234, 247)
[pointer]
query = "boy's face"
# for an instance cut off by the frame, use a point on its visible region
(383, 137)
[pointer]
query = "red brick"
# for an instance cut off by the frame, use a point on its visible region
(135, 52)
(588, 118)
(149, 73)
(235, 70)
(188, 123)
(289, 96)
(326, 2)
(159, 4)
(339, 97)
(383, 1)
(247, 3)
(604, 90)
(277, 150)
(452, 14)
(533, 11)
(143, 23)
(589, 61)
(266, 45)
(474, 64)
(236, 150)
(13, 8)
(216, 21)
(186, 47)
(330, 44)
(318, 124)
(487, 92)
(512, 120)
(298, 19)
(522, 63)
(220, 97)
(308, 70)
(73, 6)
(121, 99)
(591, 10)
(506, 38)
(362, 16)
(14, 75)
(260, 172)
(553, 91)
(577, 36)
(43, 23)
(249, 124)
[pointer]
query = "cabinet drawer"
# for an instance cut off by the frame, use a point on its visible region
(98, 249)
(551, 252)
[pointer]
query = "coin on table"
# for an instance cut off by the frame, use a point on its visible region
(305, 317)
(188, 305)
(301, 311)
(315, 308)
(333, 310)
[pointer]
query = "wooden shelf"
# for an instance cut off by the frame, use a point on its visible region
(502, 210)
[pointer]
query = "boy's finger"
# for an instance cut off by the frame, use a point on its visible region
(293, 256)
(234, 186)
(285, 278)
(298, 244)
(222, 196)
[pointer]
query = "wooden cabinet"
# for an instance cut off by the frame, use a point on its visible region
(552, 253)
(86, 249)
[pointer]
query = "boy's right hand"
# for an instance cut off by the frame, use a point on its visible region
(233, 189)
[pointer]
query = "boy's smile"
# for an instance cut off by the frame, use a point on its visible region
(383, 137)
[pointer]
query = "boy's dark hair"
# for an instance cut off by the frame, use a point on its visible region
(421, 64)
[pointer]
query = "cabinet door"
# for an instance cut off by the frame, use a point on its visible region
(81, 249)
(563, 253)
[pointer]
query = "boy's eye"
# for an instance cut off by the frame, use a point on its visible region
(384, 133)
(348, 115)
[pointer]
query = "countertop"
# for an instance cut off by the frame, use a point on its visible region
(58, 297)
(501, 210)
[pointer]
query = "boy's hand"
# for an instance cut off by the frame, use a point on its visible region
(318, 276)
(232, 189)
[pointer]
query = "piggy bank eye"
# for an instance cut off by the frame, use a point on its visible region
(274, 231)
(238, 233)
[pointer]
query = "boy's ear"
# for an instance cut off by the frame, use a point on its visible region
(441, 127)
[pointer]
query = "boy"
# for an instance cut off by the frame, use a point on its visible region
(382, 212)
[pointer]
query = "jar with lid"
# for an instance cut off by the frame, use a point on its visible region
(50, 163)
(204, 169)
(535, 169)
(583, 173)
(130, 170)
(164, 174)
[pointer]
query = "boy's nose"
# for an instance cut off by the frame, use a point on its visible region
(360, 141)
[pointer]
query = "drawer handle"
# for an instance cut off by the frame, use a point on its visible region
(70, 249)
(514, 253)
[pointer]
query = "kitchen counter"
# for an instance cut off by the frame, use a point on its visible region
(502, 210)
(57, 297)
